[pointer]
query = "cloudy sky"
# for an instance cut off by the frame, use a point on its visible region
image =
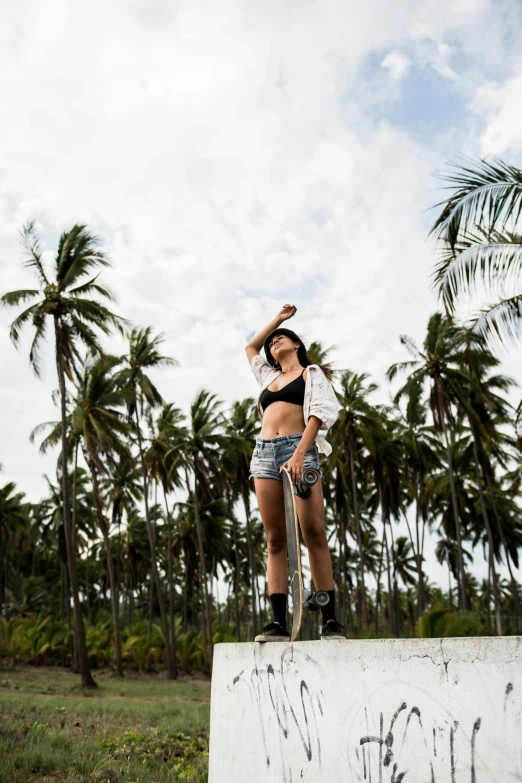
(234, 156)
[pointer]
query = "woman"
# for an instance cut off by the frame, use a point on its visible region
(296, 403)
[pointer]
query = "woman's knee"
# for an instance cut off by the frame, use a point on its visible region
(315, 537)
(276, 543)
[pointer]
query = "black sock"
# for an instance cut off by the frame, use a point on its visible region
(279, 602)
(328, 611)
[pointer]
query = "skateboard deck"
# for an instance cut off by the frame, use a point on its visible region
(294, 554)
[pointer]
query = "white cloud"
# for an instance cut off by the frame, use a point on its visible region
(499, 106)
(397, 65)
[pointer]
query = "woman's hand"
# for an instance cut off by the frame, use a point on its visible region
(286, 312)
(295, 466)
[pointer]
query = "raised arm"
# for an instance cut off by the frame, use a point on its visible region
(256, 343)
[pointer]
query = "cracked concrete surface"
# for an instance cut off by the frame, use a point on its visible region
(385, 710)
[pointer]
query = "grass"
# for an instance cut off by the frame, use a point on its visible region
(143, 729)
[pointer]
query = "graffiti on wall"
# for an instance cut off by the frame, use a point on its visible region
(412, 740)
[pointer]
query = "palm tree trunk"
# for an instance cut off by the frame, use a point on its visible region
(396, 612)
(344, 580)
(338, 575)
(170, 579)
(390, 597)
(74, 528)
(491, 547)
(152, 544)
(514, 589)
(115, 598)
(364, 611)
(237, 585)
(70, 539)
(421, 593)
(251, 554)
(185, 597)
(463, 598)
(378, 596)
(207, 610)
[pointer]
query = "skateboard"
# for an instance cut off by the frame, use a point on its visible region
(300, 597)
(294, 554)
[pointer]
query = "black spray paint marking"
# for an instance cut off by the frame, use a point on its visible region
(389, 737)
(509, 689)
(368, 739)
(269, 689)
(452, 754)
(434, 742)
(238, 677)
(280, 703)
(307, 744)
(257, 691)
(304, 686)
(476, 728)
(398, 779)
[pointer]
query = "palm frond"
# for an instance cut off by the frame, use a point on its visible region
(410, 346)
(500, 321)
(39, 335)
(77, 255)
(54, 430)
(91, 286)
(31, 245)
(459, 272)
(86, 334)
(484, 192)
(400, 367)
(12, 298)
(97, 314)
(518, 424)
(21, 320)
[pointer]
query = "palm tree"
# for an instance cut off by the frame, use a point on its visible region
(97, 420)
(358, 423)
(480, 245)
(68, 301)
(488, 414)
(241, 428)
(168, 439)
(421, 456)
(387, 461)
(439, 363)
(403, 568)
(13, 516)
(122, 489)
(318, 354)
(144, 355)
(204, 439)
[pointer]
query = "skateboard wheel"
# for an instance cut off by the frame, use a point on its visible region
(310, 477)
(322, 598)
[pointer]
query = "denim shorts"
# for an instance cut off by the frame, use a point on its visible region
(270, 455)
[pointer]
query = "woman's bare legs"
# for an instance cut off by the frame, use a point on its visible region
(311, 518)
(269, 493)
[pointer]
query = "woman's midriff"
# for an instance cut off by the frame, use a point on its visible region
(282, 418)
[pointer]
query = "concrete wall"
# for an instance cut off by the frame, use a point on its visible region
(381, 711)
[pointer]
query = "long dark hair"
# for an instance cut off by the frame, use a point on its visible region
(304, 361)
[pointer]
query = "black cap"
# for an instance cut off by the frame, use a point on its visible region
(301, 353)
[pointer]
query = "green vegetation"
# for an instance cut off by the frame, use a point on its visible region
(144, 729)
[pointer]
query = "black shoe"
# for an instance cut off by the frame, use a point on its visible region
(332, 630)
(273, 633)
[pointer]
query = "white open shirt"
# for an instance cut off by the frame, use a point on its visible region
(319, 399)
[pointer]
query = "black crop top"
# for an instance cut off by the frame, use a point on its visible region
(293, 392)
